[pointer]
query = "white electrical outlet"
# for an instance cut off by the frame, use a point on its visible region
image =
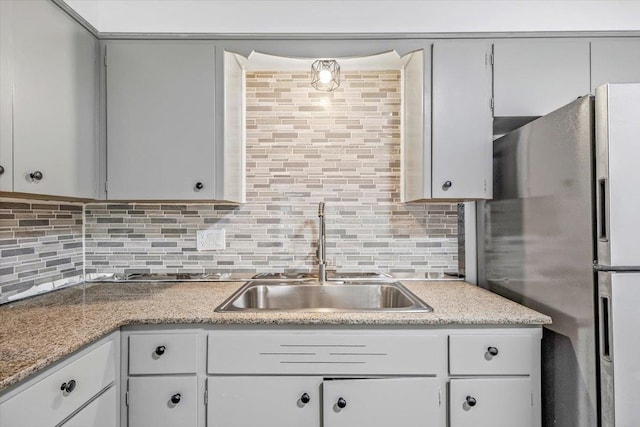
(210, 240)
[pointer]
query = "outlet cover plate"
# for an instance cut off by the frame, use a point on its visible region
(210, 240)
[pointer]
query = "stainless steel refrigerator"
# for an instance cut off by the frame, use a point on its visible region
(562, 236)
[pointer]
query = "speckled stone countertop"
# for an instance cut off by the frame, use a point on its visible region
(37, 332)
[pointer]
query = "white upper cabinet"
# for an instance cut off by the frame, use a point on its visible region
(447, 123)
(462, 124)
(175, 122)
(535, 77)
(614, 61)
(6, 96)
(161, 120)
(232, 179)
(49, 102)
(416, 127)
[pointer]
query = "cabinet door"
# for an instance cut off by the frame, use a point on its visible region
(160, 120)
(495, 402)
(163, 401)
(102, 412)
(614, 61)
(6, 96)
(46, 403)
(264, 401)
(406, 402)
(54, 110)
(462, 123)
(535, 77)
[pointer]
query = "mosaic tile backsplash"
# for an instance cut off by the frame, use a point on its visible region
(39, 242)
(303, 147)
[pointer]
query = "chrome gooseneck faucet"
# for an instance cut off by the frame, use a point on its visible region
(322, 241)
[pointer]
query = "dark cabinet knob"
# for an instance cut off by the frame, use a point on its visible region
(36, 176)
(199, 186)
(471, 401)
(447, 185)
(175, 399)
(68, 387)
(160, 350)
(305, 398)
(341, 403)
(492, 351)
(1, 169)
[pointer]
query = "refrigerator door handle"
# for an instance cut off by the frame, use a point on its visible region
(605, 328)
(603, 210)
(618, 269)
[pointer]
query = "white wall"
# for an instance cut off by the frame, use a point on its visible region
(356, 16)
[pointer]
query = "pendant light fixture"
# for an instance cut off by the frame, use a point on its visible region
(325, 75)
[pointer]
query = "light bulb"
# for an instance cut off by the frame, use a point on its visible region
(325, 76)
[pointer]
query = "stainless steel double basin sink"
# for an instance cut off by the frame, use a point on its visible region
(354, 292)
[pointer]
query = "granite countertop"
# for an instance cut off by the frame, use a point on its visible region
(42, 330)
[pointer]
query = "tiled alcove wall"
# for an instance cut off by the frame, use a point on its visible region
(303, 147)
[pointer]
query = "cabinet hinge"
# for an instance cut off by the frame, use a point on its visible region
(126, 397)
(105, 59)
(531, 399)
(106, 186)
(439, 397)
(492, 104)
(206, 396)
(491, 58)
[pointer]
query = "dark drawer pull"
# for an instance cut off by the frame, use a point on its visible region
(175, 399)
(68, 387)
(160, 350)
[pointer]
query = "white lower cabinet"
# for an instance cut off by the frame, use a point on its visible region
(244, 376)
(99, 413)
(273, 401)
(304, 401)
(163, 401)
(491, 402)
(54, 395)
(406, 402)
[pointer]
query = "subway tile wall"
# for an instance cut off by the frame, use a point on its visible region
(303, 147)
(39, 242)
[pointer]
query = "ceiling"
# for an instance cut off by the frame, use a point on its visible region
(357, 16)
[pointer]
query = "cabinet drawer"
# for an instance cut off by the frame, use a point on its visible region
(326, 352)
(163, 402)
(495, 402)
(472, 354)
(45, 404)
(163, 354)
(99, 413)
